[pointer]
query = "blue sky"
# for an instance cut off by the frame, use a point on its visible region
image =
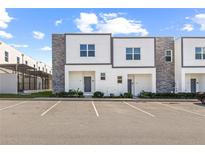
(29, 30)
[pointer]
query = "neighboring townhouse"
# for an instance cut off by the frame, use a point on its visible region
(113, 65)
(190, 64)
(21, 73)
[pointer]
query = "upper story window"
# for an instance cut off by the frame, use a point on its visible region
(102, 76)
(39, 68)
(18, 60)
(87, 50)
(168, 55)
(133, 54)
(34, 65)
(6, 56)
(26, 62)
(200, 53)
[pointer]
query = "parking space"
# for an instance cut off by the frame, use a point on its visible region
(101, 122)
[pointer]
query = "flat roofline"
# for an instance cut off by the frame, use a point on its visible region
(88, 34)
(193, 37)
(22, 53)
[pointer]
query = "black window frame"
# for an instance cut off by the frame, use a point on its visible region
(18, 60)
(6, 56)
(131, 53)
(201, 54)
(119, 79)
(102, 76)
(168, 57)
(87, 51)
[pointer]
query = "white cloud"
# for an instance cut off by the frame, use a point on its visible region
(188, 27)
(4, 18)
(85, 22)
(5, 35)
(38, 35)
(19, 45)
(200, 20)
(46, 48)
(58, 22)
(109, 23)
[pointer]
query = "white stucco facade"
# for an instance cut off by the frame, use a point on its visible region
(147, 50)
(142, 73)
(10, 79)
(189, 71)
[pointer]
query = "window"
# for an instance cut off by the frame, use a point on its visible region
(83, 50)
(136, 53)
(87, 50)
(39, 68)
(128, 53)
(18, 60)
(26, 62)
(200, 53)
(6, 56)
(119, 79)
(133, 54)
(102, 76)
(34, 65)
(168, 55)
(91, 50)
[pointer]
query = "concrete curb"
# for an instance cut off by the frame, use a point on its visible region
(100, 99)
(118, 99)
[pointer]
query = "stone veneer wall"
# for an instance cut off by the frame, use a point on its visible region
(165, 81)
(59, 61)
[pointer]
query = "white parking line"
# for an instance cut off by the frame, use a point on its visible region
(140, 109)
(50, 108)
(96, 111)
(175, 108)
(11, 106)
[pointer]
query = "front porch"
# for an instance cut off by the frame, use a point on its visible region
(140, 82)
(194, 82)
(82, 80)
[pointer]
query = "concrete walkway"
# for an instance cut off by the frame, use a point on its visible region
(101, 99)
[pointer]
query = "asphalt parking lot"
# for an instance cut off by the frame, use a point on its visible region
(101, 122)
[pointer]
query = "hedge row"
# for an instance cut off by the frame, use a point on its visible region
(144, 94)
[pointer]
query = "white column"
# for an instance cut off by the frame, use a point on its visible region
(66, 79)
(183, 82)
(154, 82)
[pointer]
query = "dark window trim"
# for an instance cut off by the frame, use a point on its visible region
(119, 81)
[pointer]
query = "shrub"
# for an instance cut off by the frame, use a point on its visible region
(62, 94)
(144, 94)
(128, 95)
(98, 94)
(70, 93)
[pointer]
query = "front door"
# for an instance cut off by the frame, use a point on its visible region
(193, 85)
(87, 84)
(129, 84)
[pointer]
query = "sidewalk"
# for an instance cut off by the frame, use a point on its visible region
(101, 99)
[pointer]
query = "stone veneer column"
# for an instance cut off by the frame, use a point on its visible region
(165, 80)
(59, 61)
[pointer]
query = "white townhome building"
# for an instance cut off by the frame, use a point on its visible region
(21, 73)
(190, 64)
(113, 65)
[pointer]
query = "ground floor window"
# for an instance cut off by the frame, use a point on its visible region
(119, 79)
(102, 76)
